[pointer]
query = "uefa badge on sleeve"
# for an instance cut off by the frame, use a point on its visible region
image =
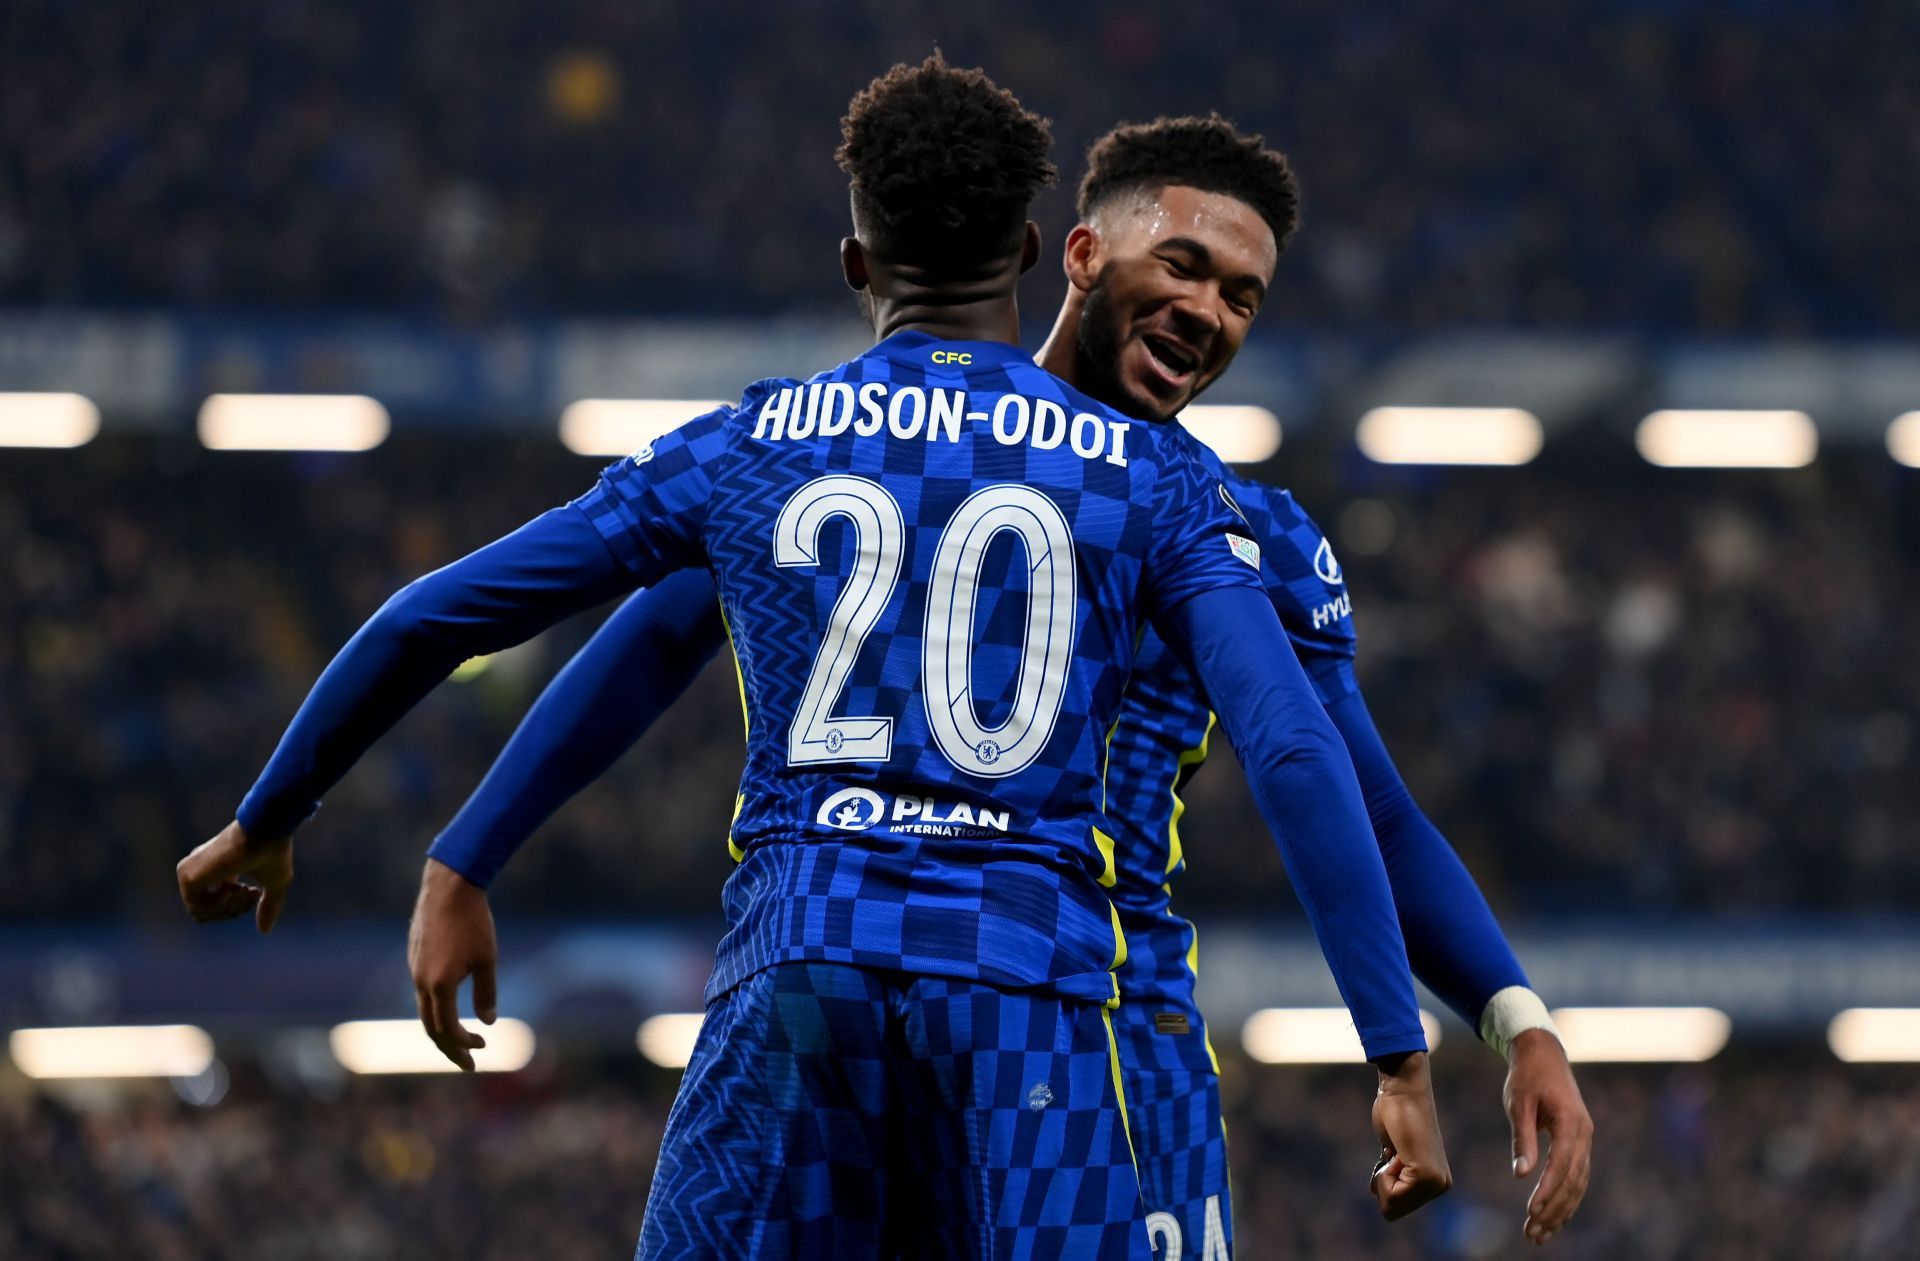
(1245, 548)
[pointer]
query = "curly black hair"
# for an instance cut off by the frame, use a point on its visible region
(944, 164)
(1205, 153)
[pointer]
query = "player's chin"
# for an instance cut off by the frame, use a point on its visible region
(1149, 397)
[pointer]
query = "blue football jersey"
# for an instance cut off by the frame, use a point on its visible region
(935, 562)
(1166, 728)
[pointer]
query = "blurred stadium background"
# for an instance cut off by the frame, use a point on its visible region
(1666, 713)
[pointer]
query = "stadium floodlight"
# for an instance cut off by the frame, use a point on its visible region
(1876, 1035)
(1237, 434)
(47, 420)
(292, 422)
(1903, 439)
(112, 1051)
(1727, 439)
(668, 1039)
(1623, 1035)
(402, 1046)
(1312, 1035)
(1450, 435)
(621, 426)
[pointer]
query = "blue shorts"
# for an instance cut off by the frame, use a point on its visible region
(833, 1111)
(1172, 1090)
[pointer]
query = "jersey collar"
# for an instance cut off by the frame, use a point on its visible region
(913, 347)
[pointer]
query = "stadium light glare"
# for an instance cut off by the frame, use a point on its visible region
(111, 1051)
(621, 426)
(1727, 439)
(1312, 1035)
(668, 1039)
(1623, 1035)
(292, 422)
(1450, 435)
(1903, 439)
(402, 1046)
(47, 420)
(1237, 434)
(1876, 1035)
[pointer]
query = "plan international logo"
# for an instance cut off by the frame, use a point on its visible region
(859, 809)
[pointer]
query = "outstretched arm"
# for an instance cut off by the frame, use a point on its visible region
(501, 595)
(1302, 780)
(1453, 941)
(606, 698)
(1457, 949)
(632, 669)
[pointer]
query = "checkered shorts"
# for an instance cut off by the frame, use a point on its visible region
(833, 1111)
(1180, 1142)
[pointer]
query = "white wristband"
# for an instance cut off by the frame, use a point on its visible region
(1510, 1013)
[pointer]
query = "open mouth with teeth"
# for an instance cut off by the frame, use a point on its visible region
(1173, 362)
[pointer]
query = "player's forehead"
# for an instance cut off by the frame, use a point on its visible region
(1143, 219)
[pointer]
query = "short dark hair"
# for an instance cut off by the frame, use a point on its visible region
(944, 164)
(1208, 153)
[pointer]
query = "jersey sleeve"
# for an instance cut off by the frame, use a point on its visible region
(651, 507)
(1200, 543)
(634, 667)
(1307, 585)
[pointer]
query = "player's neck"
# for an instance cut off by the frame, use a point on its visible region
(995, 321)
(1059, 354)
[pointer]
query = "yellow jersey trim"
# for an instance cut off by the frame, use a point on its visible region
(1188, 757)
(1109, 874)
(746, 726)
(1119, 1083)
(1193, 969)
(739, 804)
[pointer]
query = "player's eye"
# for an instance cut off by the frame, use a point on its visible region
(1180, 269)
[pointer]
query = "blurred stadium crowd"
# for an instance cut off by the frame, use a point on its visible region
(1757, 1161)
(1654, 709)
(1756, 159)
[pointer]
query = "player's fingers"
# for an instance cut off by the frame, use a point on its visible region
(1412, 1189)
(1553, 1206)
(224, 901)
(267, 914)
(1561, 1185)
(1523, 1114)
(1386, 1172)
(432, 1016)
(423, 998)
(455, 1039)
(485, 999)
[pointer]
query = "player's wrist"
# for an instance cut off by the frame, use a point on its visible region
(440, 878)
(1513, 1011)
(1402, 1069)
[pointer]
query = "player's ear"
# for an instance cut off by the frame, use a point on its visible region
(1082, 260)
(853, 263)
(1030, 248)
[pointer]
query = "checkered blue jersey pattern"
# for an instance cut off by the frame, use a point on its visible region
(934, 561)
(1165, 731)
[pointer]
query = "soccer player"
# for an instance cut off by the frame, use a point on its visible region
(1180, 222)
(933, 561)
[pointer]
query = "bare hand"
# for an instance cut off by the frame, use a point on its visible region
(450, 940)
(1540, 1094)
(1413, 1160)
(233, 874)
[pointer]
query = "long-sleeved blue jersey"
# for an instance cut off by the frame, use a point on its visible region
(1165, 735)
(606, 698)
(935, 562)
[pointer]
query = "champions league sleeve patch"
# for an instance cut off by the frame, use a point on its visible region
(1245, 548)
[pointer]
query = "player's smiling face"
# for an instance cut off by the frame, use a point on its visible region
(1172, 281)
